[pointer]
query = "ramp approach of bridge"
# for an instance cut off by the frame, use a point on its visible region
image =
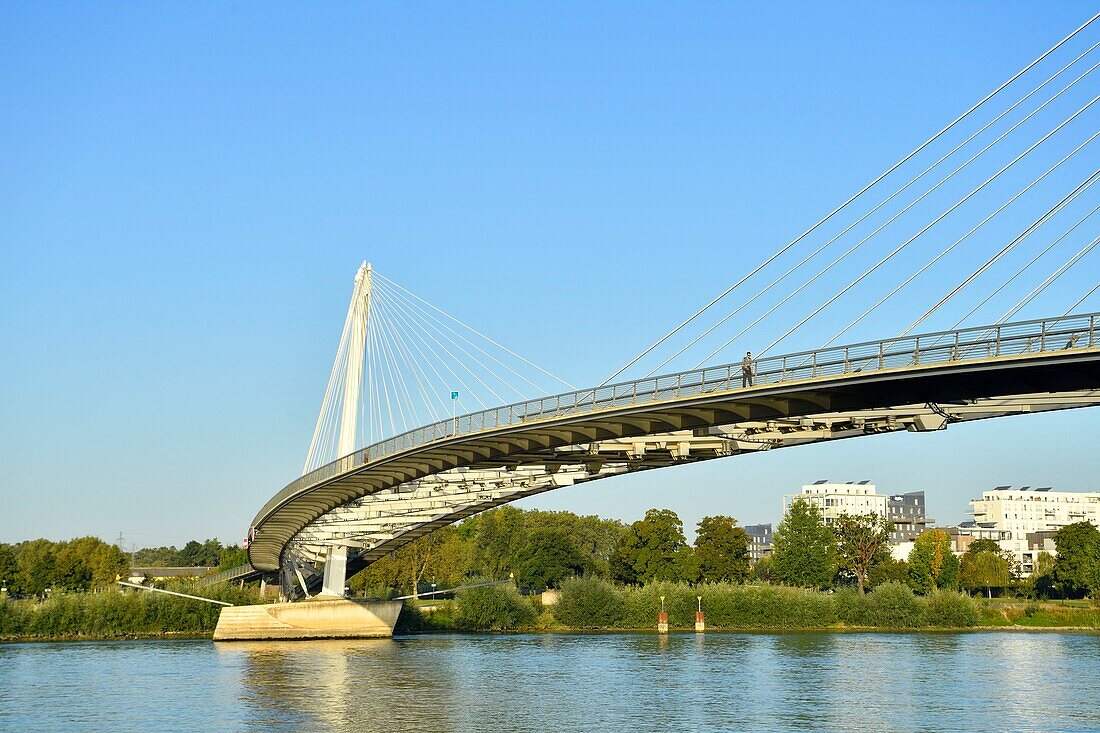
(991, 220)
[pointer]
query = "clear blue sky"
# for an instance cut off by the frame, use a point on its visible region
(186, 191)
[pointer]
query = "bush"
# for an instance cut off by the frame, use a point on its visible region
(890, 605)
(589, 603)
(766, 607)
(642, 604)
(950, 609)
(113, 614)
(493, 608)
(727, 606)
(411, 619)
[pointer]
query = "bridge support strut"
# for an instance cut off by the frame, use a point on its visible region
(336, 570)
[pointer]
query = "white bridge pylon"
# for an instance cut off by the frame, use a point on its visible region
(402, 363)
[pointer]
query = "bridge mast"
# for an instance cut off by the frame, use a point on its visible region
(358, 315)
(336, 559)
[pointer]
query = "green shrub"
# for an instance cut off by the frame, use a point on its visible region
(589, 603)
(893, 606)
(410, 620)
(765, 606)
(493, 608)
(852, 609)
(642, 604)
(12, 618)
(728, 606)
(950, 609)
(113, 613)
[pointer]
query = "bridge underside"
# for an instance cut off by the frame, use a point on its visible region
(370, 512)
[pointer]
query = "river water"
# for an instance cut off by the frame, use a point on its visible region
(1002, 681)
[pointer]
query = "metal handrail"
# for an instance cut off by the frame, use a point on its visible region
(225, 576)
(968, 344)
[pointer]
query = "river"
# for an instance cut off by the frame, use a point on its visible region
(1010, 681)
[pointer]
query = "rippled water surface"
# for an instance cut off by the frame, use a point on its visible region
(614, 682)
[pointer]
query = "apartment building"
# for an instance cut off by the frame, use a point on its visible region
(907, 513)
(760, 541)
(835, 499)
(1017, 513)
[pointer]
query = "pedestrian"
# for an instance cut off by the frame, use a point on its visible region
(746, 370)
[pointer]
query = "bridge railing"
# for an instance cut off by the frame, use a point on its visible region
(225, 576)
(969, 344)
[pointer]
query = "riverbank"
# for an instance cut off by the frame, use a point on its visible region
(116, 614)
(585, 606)
(594, 605)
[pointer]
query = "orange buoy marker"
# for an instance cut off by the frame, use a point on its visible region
(662, 619)
(699, 624)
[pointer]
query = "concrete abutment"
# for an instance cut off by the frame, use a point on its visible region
(314, 618)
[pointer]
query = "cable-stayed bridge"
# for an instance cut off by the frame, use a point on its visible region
(954, 286)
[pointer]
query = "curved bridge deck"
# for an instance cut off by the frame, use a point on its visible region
(377, 498)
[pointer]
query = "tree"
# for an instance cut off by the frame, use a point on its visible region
(986, 565)
(97, 562)
(763, 570)
(200, 554)
(985, 569)
(71, 571)
(654, 548)
(721, 550)
(888, 570)
(440, 556)
(9, 568)
(861, 541)
(621, 564)
(232, 556)
(804, 549)
(593, 537)
(37, 566)
(983, 544)
(1041, 581)
(548, 558)
(496, 536)
(1077, 566)
(931, 563)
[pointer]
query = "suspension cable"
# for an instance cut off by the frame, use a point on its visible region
(1026, 267)
(885, 201)
(1006, 249)
(442, 325)
(439, 341)
(479, 333)
(1046, 283)
(1051, 212)
(859, 193)
(1082, 300)
(938, 219)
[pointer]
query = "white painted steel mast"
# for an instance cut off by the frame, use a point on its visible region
(399, 355)
(347, 372)
(358, 315)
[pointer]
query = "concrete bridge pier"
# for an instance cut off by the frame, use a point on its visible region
(319, 617)
(336, 571)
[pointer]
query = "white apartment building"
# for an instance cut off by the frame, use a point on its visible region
(834, 499)
(1019, 512)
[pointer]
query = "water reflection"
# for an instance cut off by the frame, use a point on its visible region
(620, 682)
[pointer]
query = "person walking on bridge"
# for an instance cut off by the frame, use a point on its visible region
(746, 370)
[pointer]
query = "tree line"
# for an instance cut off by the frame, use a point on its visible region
(195, 554)
(541, 549)
(33, 567)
